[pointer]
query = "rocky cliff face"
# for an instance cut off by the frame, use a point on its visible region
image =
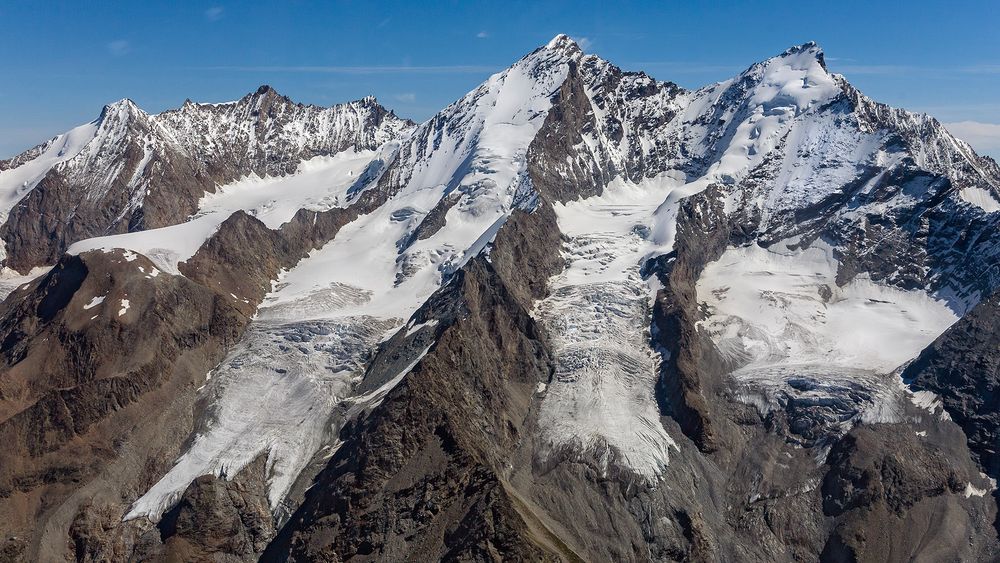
(579, 314)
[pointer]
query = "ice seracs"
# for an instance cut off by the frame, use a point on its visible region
(304, 355)
(273, 396)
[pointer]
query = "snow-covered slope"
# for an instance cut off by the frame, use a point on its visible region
(130, 171)
(27, 169)
(782, 137)
(338, 303)
(318, 184)
(849, 221)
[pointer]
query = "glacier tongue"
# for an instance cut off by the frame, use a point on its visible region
(302, 360)
(274, 394)
(826, 355)
(601, 400)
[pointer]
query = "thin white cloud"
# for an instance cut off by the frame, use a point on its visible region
(982, 69)
(119, 47)
(483, 34)
(984, 112)
(684, 67)
(876, 69)
(584, 42)
(984, 137)
(446, 69)
(408, 97)
(880, 69)
(214, 13)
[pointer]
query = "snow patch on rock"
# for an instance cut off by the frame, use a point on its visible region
(94, 302)
(319, 184)
(769, 307)
(984, 199)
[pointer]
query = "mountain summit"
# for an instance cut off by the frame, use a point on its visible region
(578, 314)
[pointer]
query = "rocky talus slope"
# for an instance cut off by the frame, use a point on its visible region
(580, 314)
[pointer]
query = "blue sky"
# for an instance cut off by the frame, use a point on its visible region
(62, 61)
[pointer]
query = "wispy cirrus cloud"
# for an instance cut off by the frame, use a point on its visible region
(684, 67)
(407, 97)
(483, 34)
(857, 69)
(404, 69)
(892, 69)
(982, 69)
(850, 69)
(984, 137)
(585, 43)
(214, 13)
(119, 47)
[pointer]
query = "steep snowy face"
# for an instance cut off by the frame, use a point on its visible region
(856, 243)
(449, 186)
(92, 156)
(130, 171)
(19, 175)
(266, 133)
(804, 156)
(732, 126)
(120, 151)
(454, 182)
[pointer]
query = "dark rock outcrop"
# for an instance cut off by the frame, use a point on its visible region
(963, 368)
(420, 477)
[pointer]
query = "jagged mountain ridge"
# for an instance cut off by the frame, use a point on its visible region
(648, 184)
(134, 171)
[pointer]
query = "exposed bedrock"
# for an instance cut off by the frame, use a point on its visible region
(102, 359)
(422, 476)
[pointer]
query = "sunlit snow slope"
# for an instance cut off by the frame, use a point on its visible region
(786, 143)
(325, 315)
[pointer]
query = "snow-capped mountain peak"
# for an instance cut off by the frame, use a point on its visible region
(563, 43)
(123, 106)
(575, 289)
